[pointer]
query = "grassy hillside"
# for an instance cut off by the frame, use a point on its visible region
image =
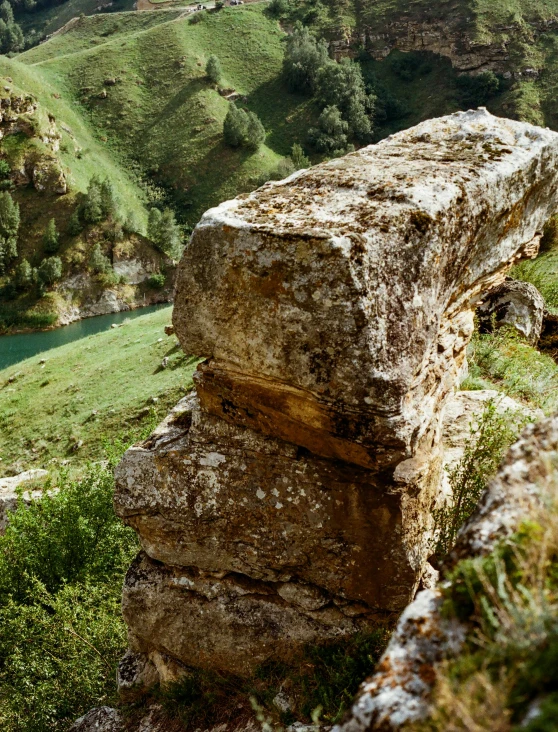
(103, 385)
(163, 114)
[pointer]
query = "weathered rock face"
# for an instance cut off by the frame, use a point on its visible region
(400, 692)
(9, 492)
(456, 38)
(358, 280)
(289, 500)
(517, 304)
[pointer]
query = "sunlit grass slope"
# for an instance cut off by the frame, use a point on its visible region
(88, 390)
(163, 112)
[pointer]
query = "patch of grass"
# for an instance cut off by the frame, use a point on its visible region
(504, 362)
(163, 118)
(509, 661)
(101, 385)
(541, 272)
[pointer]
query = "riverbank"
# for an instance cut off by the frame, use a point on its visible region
(60, 405)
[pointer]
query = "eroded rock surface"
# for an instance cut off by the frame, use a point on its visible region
(400, 690)
(516, 304)
(290, 500)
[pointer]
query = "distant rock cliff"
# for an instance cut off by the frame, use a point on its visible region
(289, 500)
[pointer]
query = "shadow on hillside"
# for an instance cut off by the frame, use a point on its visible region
(182, 97)
(285, 116)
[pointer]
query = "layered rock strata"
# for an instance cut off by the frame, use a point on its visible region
(289, 500)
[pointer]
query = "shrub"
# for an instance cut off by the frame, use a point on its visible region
(483, 452)
(341, 85)
(62, 559)
(9, 227)
(213, 69)
(23, 275)
(278, 8)
(164, 232)
(92, 207)
(156, 281)
(5, 169)
(74, 224)
(477, 90)
(51, 238)
(299, 158)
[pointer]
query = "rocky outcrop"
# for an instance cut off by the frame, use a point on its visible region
(456, 38)
(400, 692)
(516, 304)
(10, 489)
(289, 501)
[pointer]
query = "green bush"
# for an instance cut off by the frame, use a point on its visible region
(213, 69)
(304, 57)
(62, 560)
(50, 271)
(156, 281)
(476, 91)
(484, 450)
(242, 129)
(5, 169)
(331, 134)
(51, 238)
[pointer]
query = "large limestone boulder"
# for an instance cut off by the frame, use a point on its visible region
(290, 500)
(336, 305)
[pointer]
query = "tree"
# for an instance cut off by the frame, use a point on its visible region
(164, 232)
(341, 85)
(92, 210)
(242, 129)
(9, 226)
(478, 90)
(255, 132)
(50, 270)
(51, 238)
(153, 222)
(132, 224)
(304, 57)
(234, 126)
(109, 202)
(213, 69)
(23, 275)
(74, 224)
(331, 134)
(277, 8)
(6, 12)
(98, 262)
(299, 158)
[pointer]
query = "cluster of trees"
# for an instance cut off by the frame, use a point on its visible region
(339, 89)
(11, 35)
(242, 128)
